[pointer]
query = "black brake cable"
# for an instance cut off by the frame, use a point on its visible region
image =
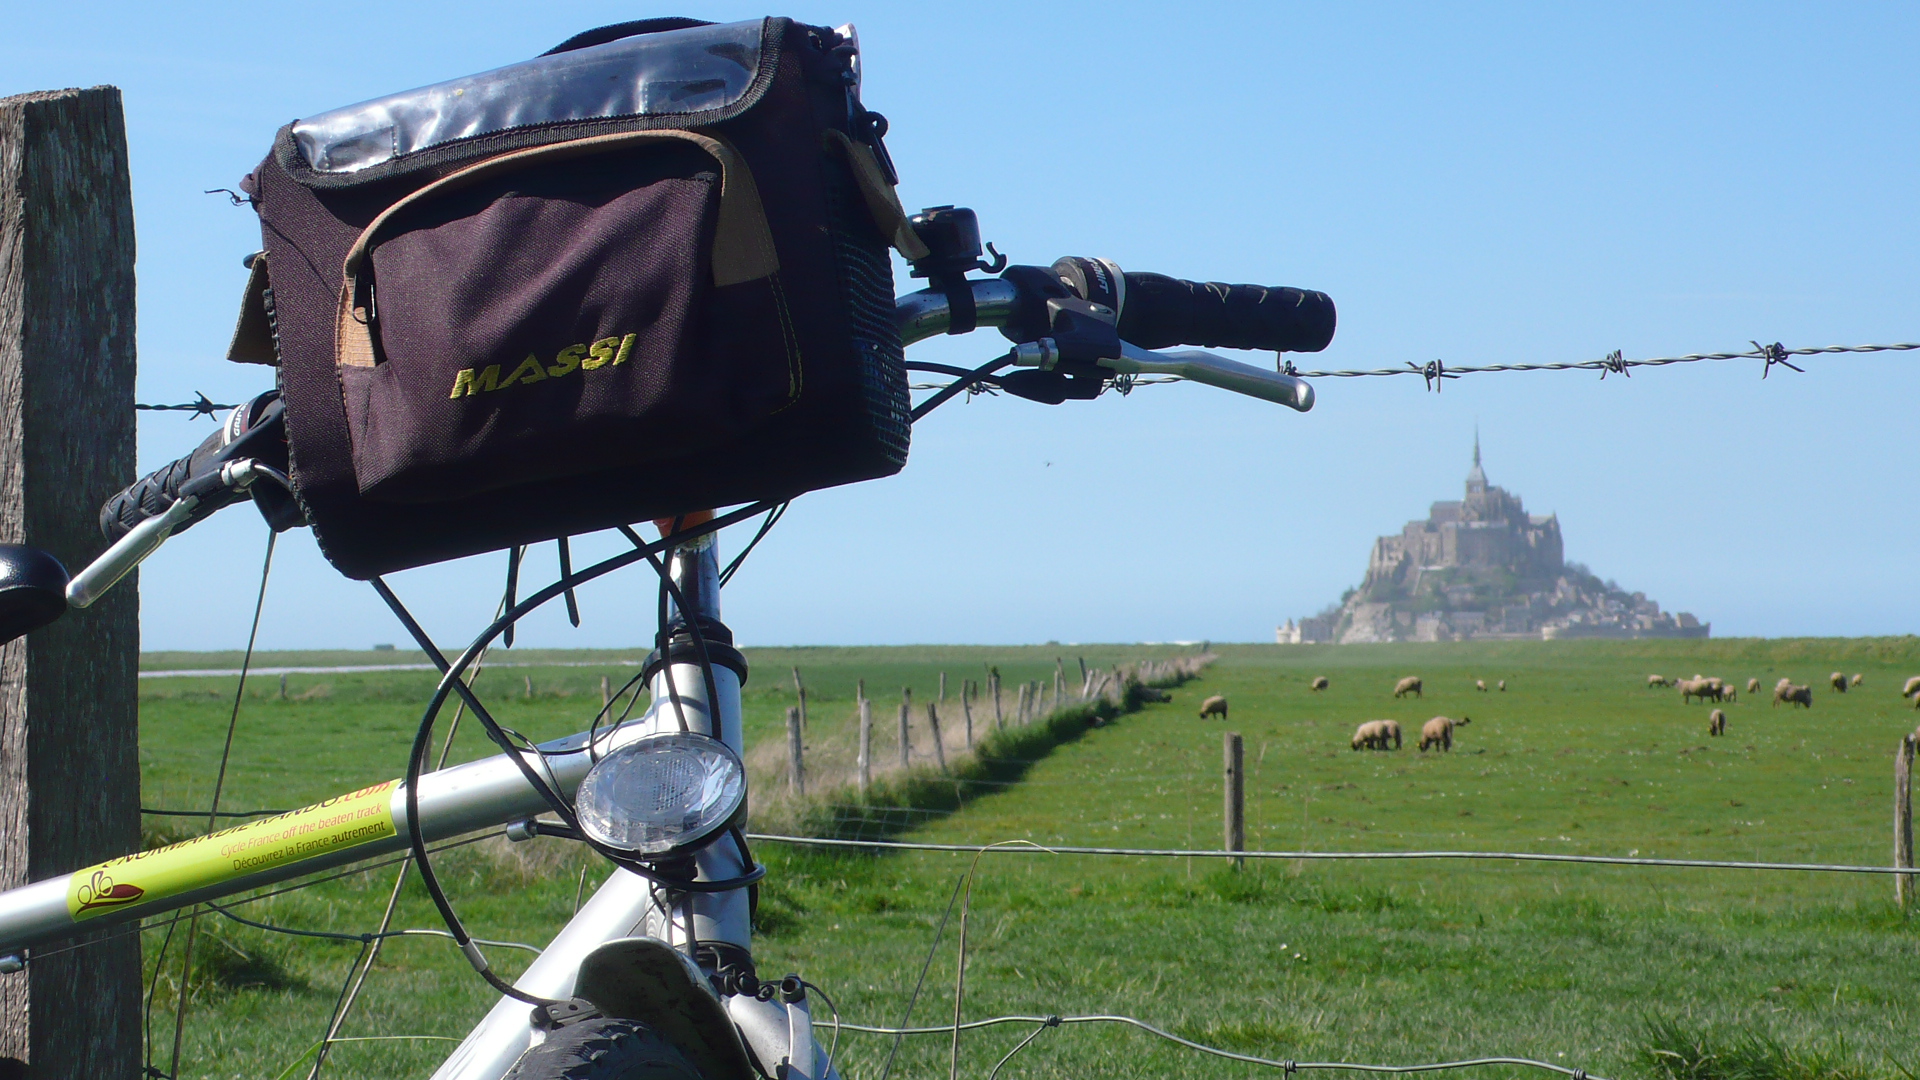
(773, 518)
(978, 376)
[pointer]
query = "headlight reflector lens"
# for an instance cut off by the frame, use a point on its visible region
(661, 793)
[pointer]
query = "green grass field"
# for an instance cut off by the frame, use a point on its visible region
(1731, 973)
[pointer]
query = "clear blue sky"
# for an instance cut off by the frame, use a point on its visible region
(1473, 182)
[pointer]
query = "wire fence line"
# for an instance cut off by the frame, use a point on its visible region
(1286, 1065)
(1437, 371)
(1028, 848)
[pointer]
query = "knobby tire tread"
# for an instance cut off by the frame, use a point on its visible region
(604, 1050)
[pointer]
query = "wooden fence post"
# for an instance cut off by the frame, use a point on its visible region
(866, 739)
(1236, 796)
(69, 764)
(943, 688)
(906, 717)
(796, 767)
(800, 690)
(999, 718)
(966, 708)
(606, 691)
(1059, 681)
(1903, 821)
(939, 747)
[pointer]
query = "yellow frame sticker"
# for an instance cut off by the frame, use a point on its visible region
(343, 822)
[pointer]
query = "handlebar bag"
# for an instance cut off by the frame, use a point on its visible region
(641, 275)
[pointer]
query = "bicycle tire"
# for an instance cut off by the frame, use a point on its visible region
(604, 1049)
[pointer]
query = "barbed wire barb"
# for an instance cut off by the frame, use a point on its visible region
(199, 406)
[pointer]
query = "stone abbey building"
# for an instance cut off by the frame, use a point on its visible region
(1481, 568)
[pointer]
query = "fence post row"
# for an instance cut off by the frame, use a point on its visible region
(866, 739)
(70, 774)
(1903, 821)
(1236, 795)
(796, 768)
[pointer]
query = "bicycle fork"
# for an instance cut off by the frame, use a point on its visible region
(636, 951)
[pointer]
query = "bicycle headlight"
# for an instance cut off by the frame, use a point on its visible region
(662, 793)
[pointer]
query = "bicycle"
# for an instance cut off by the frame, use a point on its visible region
(654, 974)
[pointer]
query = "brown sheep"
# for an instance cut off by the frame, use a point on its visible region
(1857, 679)
(1319, 683)
(1371, 735)
(1503, 686)
(1659, 682)
(1794, 694)
(1913, 684)
(1409, 685)
(1480, 685)
(1838, 680)
(1716, 723)
(1753, 686)
(1214, 706)
(1439, 732)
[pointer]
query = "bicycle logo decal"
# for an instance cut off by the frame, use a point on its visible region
(101, 891)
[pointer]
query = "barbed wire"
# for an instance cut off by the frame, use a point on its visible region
(1435, 372)
(1289, 1066)
(199, 406)
(1361, 856)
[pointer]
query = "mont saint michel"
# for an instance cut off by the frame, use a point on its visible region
(1483, 568)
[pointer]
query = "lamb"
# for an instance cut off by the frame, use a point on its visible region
(1838, 680)
(1503, 686)
(1480, 685)
(1793, 694)
(1409, 685)
(1729, 694)
(1913, 685)
(1319, 682)
(1716, 723)
(1371, 735)
(1214, 706)
(1753, 686)
(1659, 682)
(1857, 679)
(1439, 732)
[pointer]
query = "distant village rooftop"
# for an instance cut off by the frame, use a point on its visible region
(1483, 568)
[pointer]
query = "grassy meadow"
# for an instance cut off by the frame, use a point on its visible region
(1621, 971)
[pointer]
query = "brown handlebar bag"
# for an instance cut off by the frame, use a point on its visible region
(641, 275)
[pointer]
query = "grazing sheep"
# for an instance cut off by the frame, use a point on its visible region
(1439, 732)
(1371, 735)
(1716, 723)
(1480, 685)
(1793, 694)
(1319, 683)
(1753, 686)
(1658, 682)
(1838, 680)
(1702, 689)
(1503, 686)
(1913, 684)
(1729, 694)
(1409, 685)
(1214, 706)
(1389, 729)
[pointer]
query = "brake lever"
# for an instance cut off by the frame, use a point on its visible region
(1198, 365)
(144, 539)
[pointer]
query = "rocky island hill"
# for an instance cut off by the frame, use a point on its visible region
(1483, 568)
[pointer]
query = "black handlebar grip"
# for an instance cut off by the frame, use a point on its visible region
(153, 493)
(1158, 311)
